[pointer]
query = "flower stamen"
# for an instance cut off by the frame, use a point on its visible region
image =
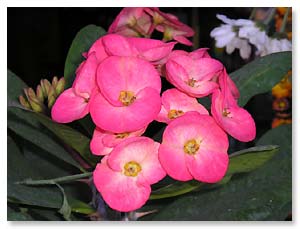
(175, 113)
(126, 97)
(191, 147)
(132, 169)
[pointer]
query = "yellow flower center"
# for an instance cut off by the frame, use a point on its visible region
(122, 135)
(174, 114)
(191, 147)
(126, 97)
(191, 82)
(132, 169)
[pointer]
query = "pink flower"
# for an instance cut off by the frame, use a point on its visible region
(176, 103)
(103, 141)
(130, 94)
(131, 22)
(235, 120)
(193, 75)
(73, 103)
(194, 146)
(170, 26)
(124, 177)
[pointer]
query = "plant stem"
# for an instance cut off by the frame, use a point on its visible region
(270, 16)
(55, 180)
(284, 21)
(253, 12)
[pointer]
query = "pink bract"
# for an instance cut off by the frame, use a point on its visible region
(129, 98)
(235, 120)
(69, 107)
(125, 176)
(194, 146)
(170, 25)
(195, 77)
(103, 141)
(175, 103)
(131, 22)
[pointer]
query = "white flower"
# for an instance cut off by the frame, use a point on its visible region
(226, 36)
(256, 37)
(274, 45)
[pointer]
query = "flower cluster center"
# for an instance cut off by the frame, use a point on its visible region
(191, 147)
(132, 169)
(126, 97)
(175, 113)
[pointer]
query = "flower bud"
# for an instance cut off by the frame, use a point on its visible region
(51, 92)
(60, 86)
(47, 86)
(40, 94)
(51, 101)
(24, 102)
(54, 81)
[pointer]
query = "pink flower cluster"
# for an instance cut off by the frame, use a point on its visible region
(119, 84)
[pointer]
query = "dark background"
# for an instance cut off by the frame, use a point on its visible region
(39, 40)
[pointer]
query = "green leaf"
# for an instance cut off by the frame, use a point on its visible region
(250, 159)
(71, 137)
(13, 215)
(19, 169)
(264, 194)
(261, 75)
(240, 162)
(65, 209)
(81, 43)
(40, 139)
(15, 86)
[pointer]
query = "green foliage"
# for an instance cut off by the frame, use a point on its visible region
(81, 43)
(240, 162)
(263, 194)
(261, 75)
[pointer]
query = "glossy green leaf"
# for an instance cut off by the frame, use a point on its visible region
(19, 169)
(40, 139)
(263, 194)
(15, 87)
(71, 137)
(261, 75)
(240, 162)
(81, 43)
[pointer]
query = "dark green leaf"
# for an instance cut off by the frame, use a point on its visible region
(240, 162)
(261, 75)
(15, 87)
(81, 43)
(65, 209)
(13, 215)
(264, 194)
(40, 139)
(250, 159)
(71, 137)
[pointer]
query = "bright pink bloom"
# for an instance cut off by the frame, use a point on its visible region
(192, 75)
(73, 103)
(124, 177)
(170, 25)
(130, 94)
(131, 22)
(175, 103)
(194, 146)
(103, 141)
(235, 120)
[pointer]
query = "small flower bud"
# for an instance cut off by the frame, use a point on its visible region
(51, 101)
(40, 94)
(32, 96)
(24, 102)
(60, 86)
(51, 92)
(54, 81)
(47, 86)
